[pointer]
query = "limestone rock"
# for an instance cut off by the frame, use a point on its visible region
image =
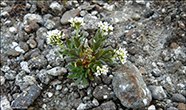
(69, 14)
(130, 88)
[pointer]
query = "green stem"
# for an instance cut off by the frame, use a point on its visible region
(77, 31)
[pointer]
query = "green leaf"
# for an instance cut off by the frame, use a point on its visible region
(78, 80)
(73, 52)
(57, 53)
(73, 76)
(71, 57)
(97, 44)
(103, 62)
(97, 35)
(69, 43)
(81, 37)
(61, 33)
(86, 72)
(79, 62)
(84, 81)
(77, 42)
(71, 66)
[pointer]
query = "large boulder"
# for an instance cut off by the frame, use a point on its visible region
(129, 87)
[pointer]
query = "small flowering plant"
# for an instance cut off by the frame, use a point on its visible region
(88, 60)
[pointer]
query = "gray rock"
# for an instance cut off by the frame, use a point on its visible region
(129, 87)
(3, 4)
(5, 68)
(58, 87)
(57, 71)
(37, 62)
(157, 92)
(53, 59)
(109, 7)
(172, 108)
(32, 43)
(86, 6)
(141, 2)
(56, 7)
(168, 85)
(167, 19)
(32, 53)
(156, 72)
(24, 81)
(10, 75)
(98, 8)
(57, 22)
(13, 30)
(12, 52)
(19, 49)
(174, 67)
(83, 106)
(8, 23)
(136, 16)
(83, 13)
(2, 80)
(69, 14)
(152, 107)
(91, 22)
(107, 79)
(180, 55)
(22, 35)
(95, 102)
(183, 92)
(102, 93)
(24, 66)
(4, 14)
(26, 98)
(110, 105)
(117, 17)
(178, 98)
(5, 104)
(33, 8)
(47, 17)
(44, 77)
(28, 6)
(41, 44)
(41, 34)
(49, 24)
(31, 18)
(147, 13)
(93, 13)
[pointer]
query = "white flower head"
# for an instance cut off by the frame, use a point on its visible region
(103, 70)
(105, 26)
(97, 73)
(77, 21)
(54, 34)
(122, 55)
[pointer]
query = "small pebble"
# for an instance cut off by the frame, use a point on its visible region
(178, 98)
(181, 24)
(3, 4)
(58, 87)
(13, 30)
(2, 80)
(32, 43)
(49, 94)
(152, 107)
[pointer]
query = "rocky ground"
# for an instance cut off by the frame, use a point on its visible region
(153, 32)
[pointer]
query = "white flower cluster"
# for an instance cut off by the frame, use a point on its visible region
(105, 27)
(122, 55)
(103, 70)
(77, 21)
(54, 33)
